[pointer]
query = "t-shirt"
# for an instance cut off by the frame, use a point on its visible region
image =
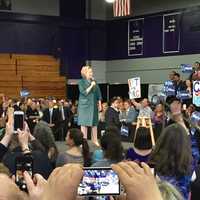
(132, 155)
(65, 158)
(145, 112)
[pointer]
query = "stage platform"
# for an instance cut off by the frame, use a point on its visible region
(63, 147)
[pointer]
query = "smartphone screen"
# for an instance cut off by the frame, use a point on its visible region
(23, 163)
(18, 120)
(99, 181)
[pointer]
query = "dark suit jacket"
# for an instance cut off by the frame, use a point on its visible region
(55, 116)
(67, 114)
(112, 118)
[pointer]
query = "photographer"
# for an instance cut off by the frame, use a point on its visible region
(19, 145)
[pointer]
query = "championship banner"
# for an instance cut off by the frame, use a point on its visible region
(134, 88)
(196, 93)
(135, 37)
(171, 32)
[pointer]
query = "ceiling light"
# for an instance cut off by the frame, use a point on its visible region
(110, 1)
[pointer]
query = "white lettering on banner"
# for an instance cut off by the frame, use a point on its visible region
(197, 87)
(196, 93)
(134, 88)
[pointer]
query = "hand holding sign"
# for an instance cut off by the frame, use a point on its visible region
(134, 88)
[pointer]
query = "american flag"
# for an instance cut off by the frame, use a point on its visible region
(121, 8)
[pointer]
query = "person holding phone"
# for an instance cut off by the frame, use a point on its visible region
(89, 100)
(5, 141)
(68, 178)
(19, 146)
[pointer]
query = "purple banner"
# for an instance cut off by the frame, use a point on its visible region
(135, 37)
(171, 32)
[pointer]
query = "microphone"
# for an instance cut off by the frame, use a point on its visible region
(93, 80)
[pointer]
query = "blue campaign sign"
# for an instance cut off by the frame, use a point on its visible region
(24, 93)
(171, 32)
(169, 88)
(196, 93)
(168, 83)
(135, 37)
(195, 117)
(183, 95)
(186, 68)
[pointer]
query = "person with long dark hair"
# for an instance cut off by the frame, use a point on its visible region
(142, 146)
(112, 149)
(172, 158)
(78, 151)
(44, 136)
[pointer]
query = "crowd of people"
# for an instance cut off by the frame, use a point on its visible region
(169, 170)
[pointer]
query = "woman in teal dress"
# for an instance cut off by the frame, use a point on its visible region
(89, 103)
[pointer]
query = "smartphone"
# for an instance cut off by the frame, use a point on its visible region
(18, 120)
(99, 181)
(23, 163)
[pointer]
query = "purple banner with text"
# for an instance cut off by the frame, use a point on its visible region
(135, 37)
(171, 32)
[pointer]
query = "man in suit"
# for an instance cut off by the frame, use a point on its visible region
(112, 113)
(51, 116)
(65, 115)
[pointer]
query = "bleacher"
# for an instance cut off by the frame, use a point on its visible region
(40, 74)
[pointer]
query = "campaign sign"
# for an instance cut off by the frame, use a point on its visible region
(134, 88)
(186, 68)
(196, 93)
(195, 117)
(169, 88)
(183, 95)
(169, 83)
(24, 93)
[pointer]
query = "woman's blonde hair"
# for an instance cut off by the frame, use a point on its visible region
(84, 70)
(168, 191)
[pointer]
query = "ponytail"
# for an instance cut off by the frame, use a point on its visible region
(86, 153)
(77, 136)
